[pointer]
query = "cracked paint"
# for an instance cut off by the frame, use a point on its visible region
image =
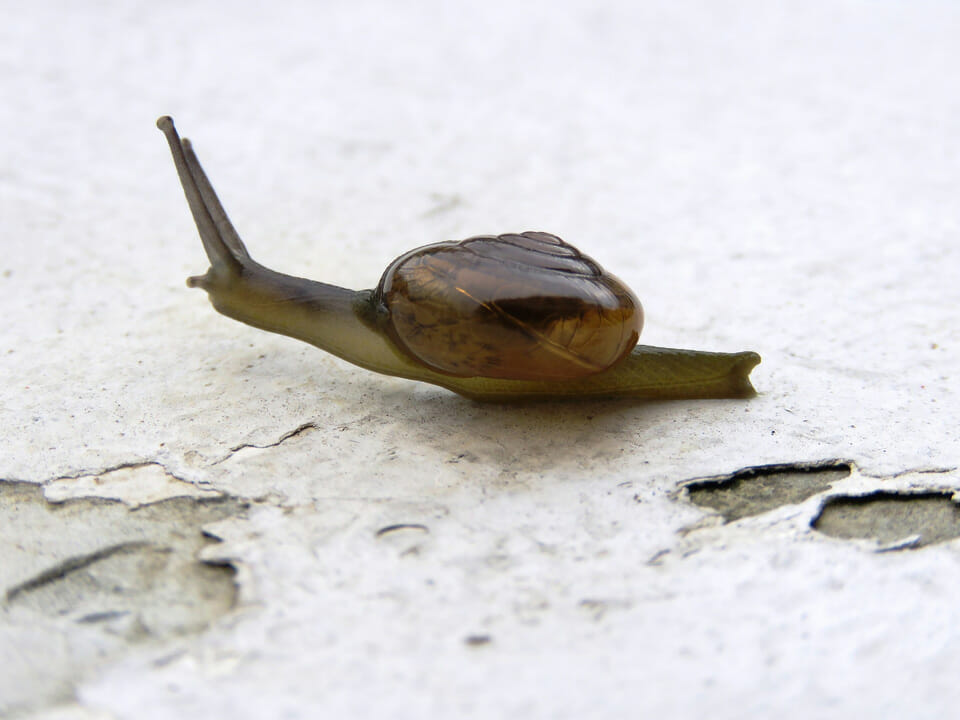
(296, 432)
(912, 515)
(84, 579)
(134, 485)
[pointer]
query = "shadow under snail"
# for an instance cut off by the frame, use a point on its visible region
(505, 318)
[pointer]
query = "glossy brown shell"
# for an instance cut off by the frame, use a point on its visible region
(521, 307)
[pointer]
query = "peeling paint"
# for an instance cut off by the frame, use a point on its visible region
(755, 490)
(134, 484)
(85, 578)
(895, 520)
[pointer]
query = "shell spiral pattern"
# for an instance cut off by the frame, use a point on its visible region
(517, 306)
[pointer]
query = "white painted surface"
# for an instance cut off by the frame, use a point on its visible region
(781, 177)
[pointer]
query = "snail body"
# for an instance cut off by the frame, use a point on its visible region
(508, 317)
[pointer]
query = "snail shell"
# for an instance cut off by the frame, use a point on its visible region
(518, 306)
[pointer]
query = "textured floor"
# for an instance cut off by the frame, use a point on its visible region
(198, 519)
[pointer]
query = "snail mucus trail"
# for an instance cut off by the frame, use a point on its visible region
(513, 317)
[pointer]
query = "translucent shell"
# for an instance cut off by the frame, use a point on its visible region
(519, 307)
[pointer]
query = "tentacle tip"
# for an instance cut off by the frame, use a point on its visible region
(165, 123)
(199, 281)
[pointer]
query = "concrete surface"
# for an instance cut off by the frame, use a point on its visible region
(781, 177)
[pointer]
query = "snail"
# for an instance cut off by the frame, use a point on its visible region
(493, 318)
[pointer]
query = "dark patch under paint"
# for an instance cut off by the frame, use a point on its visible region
(129, 563)
(888, 517)
(81, 580)
(757, 490)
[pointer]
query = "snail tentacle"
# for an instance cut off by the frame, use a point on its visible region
(334, 319)
(222, 258)
(228, 234)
